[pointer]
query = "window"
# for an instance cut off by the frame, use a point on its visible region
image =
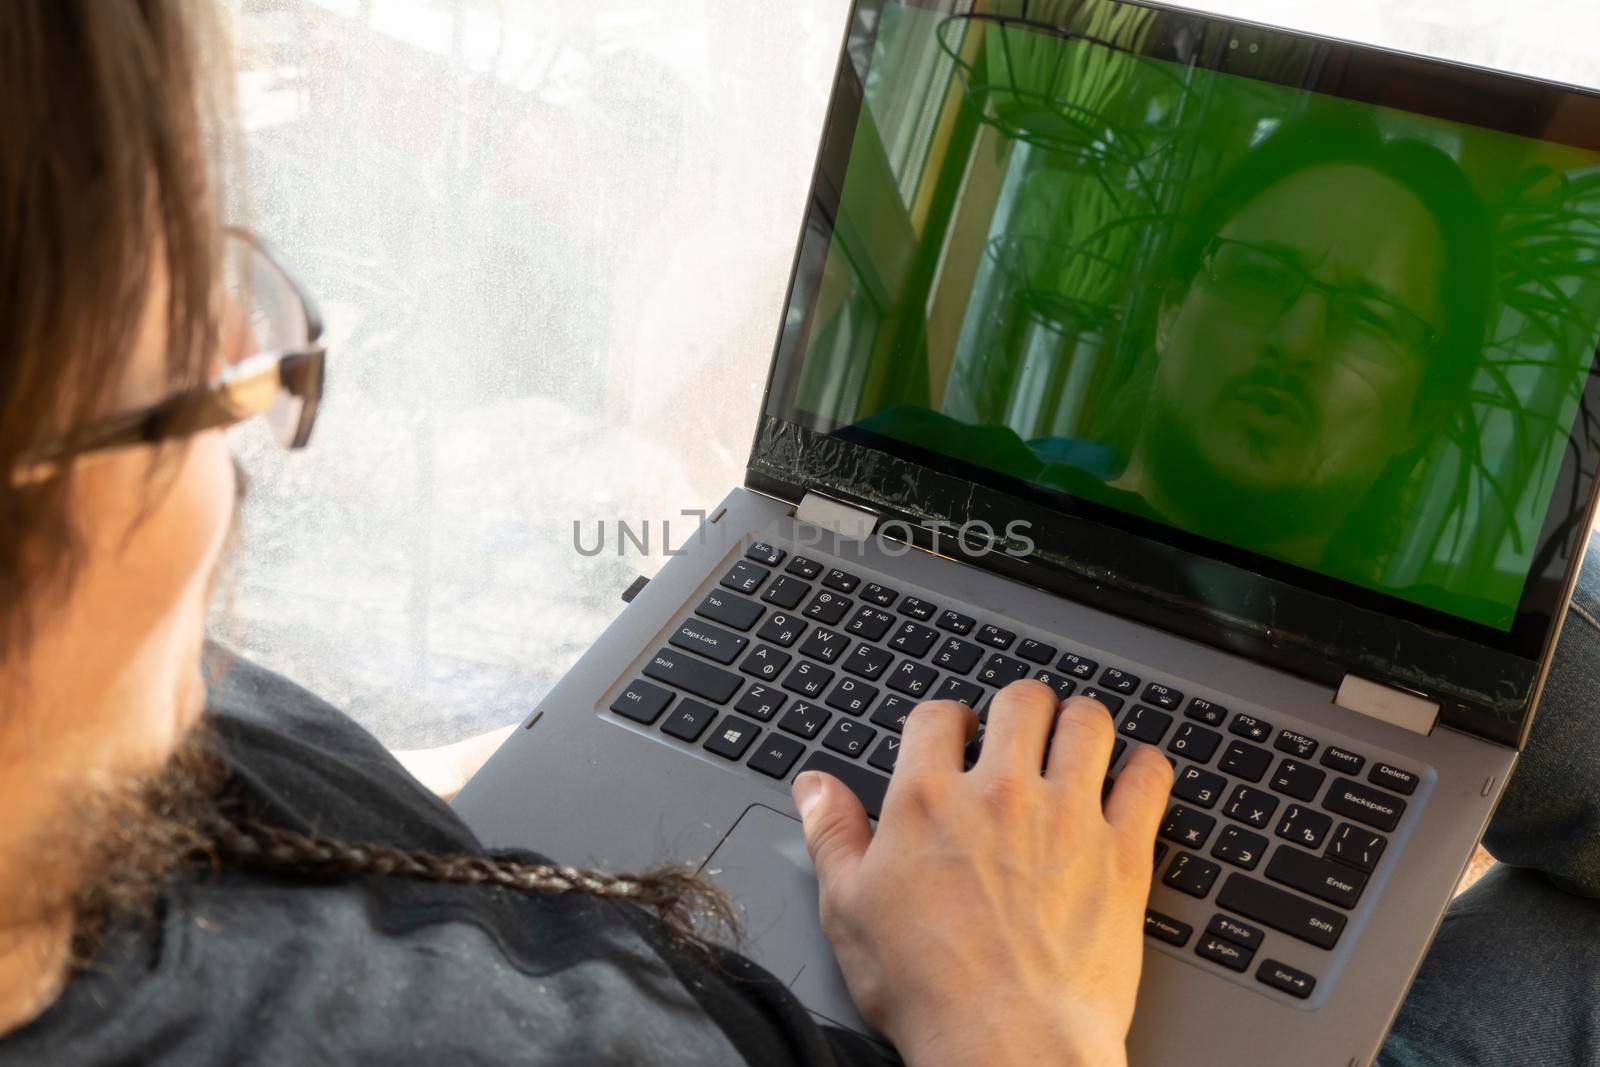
(551, 240)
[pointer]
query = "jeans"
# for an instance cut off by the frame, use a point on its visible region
(1514, 975)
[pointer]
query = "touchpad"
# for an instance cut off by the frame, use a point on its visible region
(764, 867)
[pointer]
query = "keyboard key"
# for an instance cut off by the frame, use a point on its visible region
(1254, 729)
(1188, 873)
(1145, 724)
(688, 720)
(852, 697)
(804, 720)
(765, 662)
(1284, 977)
(1202, 710)
(880, 595)
(760, 702)
(1164, 928)
(868, 661)
(1251, 806)
(745, 577)
(1187, 827)
(641, 702)
(1281, 910)
(958, 690)
(824, 644)
(1298, 780)
(913, 640)
(1199, 787)
(956, 622)
(786, 592)
(729, 610)
(1240, 847)
(1118, 747)
(957, 655)
(1000, 671)
(1036, 651)
(891, 714)
(731, 737)
(1245, 761)
(884, 756)
(912, 679)
(1118, 681)
(712, 642)
(849, 737)
(1361, 803)
(869, 623)
(782, 629)
(1162, 847)
(775, 755)
(1322, 878)
(1357, 846)
(867, 786)
(764, 554)
(1230, 929)
(995, 637)
(1194, 742)
(920, 610)
(843, 581)
(1112, 702)
(808, 569)
(1297, 745)
(808, 679)
(682, 671)
(827, 608)
(1303, 826)
(1345, 762)
(1232, 956)
(1163, 697)
(1075, 665)
(1057, 681)
(1393, 778)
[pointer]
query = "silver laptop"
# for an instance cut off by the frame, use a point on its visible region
(1240, 378)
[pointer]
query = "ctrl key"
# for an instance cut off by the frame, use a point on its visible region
(642, 702)
(1282, 976)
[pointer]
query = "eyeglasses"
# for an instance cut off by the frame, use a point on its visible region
(271, 317)
(1262, 281)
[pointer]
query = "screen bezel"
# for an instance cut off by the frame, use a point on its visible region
(1484, 679)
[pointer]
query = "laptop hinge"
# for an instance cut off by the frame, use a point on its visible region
(1394, 706)
(847, 520)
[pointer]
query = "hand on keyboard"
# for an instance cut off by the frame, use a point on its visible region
(997, 915)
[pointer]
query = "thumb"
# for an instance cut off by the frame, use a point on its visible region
(836, 828)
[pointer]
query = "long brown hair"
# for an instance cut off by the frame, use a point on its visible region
(112, 119)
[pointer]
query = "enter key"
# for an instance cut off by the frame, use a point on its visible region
(1323, 879)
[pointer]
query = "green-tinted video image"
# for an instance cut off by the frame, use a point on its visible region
(1350, 338)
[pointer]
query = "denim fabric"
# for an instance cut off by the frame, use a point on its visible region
(1514, 975)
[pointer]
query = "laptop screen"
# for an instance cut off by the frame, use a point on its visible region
(1234, 305)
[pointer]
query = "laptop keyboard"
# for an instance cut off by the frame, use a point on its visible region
(793, 664)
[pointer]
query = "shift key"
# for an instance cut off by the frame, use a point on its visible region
(683, 671)
(1281, 910)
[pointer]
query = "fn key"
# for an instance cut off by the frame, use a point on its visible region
(866, 785)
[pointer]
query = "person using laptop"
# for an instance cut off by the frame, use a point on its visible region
(264, 884)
